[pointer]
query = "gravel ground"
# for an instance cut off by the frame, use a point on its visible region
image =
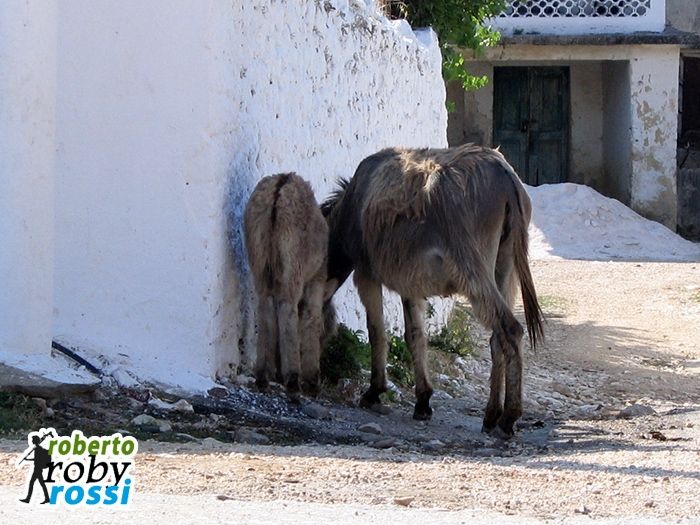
(611, 432)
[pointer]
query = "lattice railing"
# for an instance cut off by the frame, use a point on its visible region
(576, 8)
(579, 17)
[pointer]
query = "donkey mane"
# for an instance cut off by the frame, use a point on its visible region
(327, 206)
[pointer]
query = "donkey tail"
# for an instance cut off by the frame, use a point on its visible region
(534, 317)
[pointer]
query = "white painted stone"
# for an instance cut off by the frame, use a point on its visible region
(27, 148)
(166, 120)
(654, 85)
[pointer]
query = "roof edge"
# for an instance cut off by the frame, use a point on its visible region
(670, 36)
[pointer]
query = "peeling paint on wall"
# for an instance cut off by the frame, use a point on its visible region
(654, 81)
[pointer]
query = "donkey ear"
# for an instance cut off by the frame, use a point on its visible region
(498, 148)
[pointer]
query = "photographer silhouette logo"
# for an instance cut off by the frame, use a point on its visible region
(76, 470)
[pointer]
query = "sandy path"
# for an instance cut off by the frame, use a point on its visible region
(618, 333)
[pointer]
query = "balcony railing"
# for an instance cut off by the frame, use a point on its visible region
(581, 16)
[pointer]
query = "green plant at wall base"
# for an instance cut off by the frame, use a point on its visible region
(456, 336)
(459, 25)
(18, 412)
(344, 356)
(400, 362)
(347, 354)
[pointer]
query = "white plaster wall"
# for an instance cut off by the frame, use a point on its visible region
(473, 117)
(654, 85)
(27, 106)
(168, 114)
(683, 15)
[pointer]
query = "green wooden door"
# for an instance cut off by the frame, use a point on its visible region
(531, 121)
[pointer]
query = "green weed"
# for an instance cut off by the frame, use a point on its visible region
(400, 362)
(456, 336)
(553, 305)
(347, 354)
(18, 412)
(344, 356)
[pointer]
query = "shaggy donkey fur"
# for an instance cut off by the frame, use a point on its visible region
(287, 242)
(439, 222)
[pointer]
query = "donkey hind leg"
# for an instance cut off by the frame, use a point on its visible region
(370, 292)
(510, 339)
(506, 362)
(491, 309)
(267, 351)
(494, 408)
(311, 330)
(508, 342)
(288, 323)
(507, 285)
(413, 312)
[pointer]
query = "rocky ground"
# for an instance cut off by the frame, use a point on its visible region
(611, 430)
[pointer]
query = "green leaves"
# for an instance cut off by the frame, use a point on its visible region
(456, 336)
(400, 362)
(347, 354)
(344, 356)
(453, 68)
(459, 25)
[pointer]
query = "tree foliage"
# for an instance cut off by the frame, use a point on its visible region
(459, 25)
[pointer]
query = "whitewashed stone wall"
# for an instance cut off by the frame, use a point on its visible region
(654, 85)
(167, 116)
(27, 81)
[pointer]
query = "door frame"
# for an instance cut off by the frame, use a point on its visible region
(526, 99)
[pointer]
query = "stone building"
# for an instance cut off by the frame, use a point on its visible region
(588, 91)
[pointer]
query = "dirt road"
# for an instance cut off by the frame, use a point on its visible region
(611, 432)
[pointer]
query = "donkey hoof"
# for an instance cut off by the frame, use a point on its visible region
(422, 412)
(491, 418)
(294, 396)
(262, 384)
(370, 398)
(499, 433)
(487, 429)
(293, 388)
(311, 388)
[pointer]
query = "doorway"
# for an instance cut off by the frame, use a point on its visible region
(688, 182)
(531, 121)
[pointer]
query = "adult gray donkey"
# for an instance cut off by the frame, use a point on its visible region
(429, 222)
